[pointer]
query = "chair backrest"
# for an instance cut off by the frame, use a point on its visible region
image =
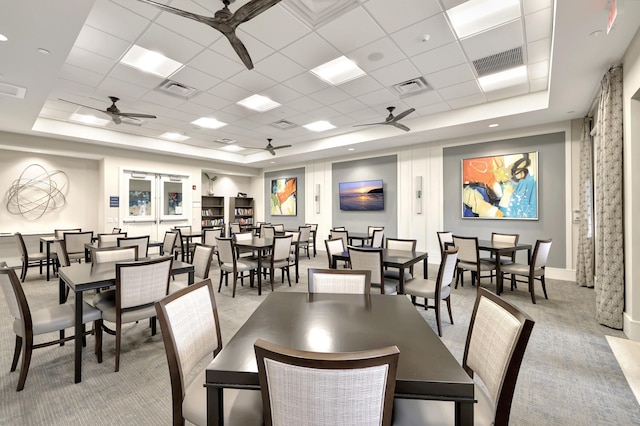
(444, 237)
(540, 254)
(114, 254)
(61, 251)
(142, 283)
(446, 272)
(141, 242)
(291, 378)
(340, 234)
(110, 240)
(59, 233)
(370, 229)
(467, 248)
(339, 228)
(346, 281)
(305, 233)
(234, 227)
(400, 244)
(191, 331)
(496, 342)
(294, 234)
(226, 251)
(267, 232)
(116, 231)
(278, 227)
(185, 229)
(368, 259)
(377, 238)
(334, 246)
(75, 241)
(314, 226)
(497, 237)
(169, 242)
(202, 260)
(209, 236)
(243, 236)
(22, 247)
(14, 295)
(281, 247)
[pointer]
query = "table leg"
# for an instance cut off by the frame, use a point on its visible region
(259, 273)
(425, 269)
(498, 275)
(191, 277)
(401, 280)
(62, 286)
(464, 413)
(297, 261)
(77, 341)
(215, 414)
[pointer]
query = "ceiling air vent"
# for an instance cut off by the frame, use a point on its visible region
(284, 124)
(499, 62)
(411, 87)
(177, 89)
(13, 91)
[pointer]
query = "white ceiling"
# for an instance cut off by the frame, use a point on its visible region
(86, 39)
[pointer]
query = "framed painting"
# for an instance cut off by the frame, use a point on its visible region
(284, 197)
(500, 187)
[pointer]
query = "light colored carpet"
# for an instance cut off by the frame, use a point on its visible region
(569, 375)
(627, 352)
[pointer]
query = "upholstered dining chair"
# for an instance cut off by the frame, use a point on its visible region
(75, 242)
(29, 323)
(110, 240)
(377, 238)
(345, 281)
(209, 236)
(305, 235)
(142, 242)
(313, 237)
(230, 263)
(191, 332)
(371, 259)
(234, 228)
(169, 243)
(116, 230)
(28, 259)
(496, 342)
(533, 271)
(59, 233)
(267, 231)
(371, 229)
(334, 246)
(469, 259)
(497, 237)
(437, 290)
(344, 235)
(279, 228)
(201, 264)
(245, 252)
(320, 388)
(444, 239)
(279, 257)
(138, 286)
(114, 254)
(404, 245)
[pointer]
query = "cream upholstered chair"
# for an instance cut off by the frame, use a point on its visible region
(191, 332)
(244, 252)
(169, 243)
(334, 246)
(313, 237)
(28, 259)
(279, 257)
(234, 228)
(141, 242)
(201, 264)
(116, 231)
(370, 231)
(267, 231)
(344, 235)
(404, 245)
(497, 237)
(138, 286)
(346, 281)
(75, 242)
(437, 290)
(114, 254)
(496, 342)
(534, 271)
(279, 228)
(59, 233)
(230, 263)
(370, 259)
(319, 388)
(209, 237)
(445, 238)
(27, 323)
(305, 235)
(110, 240)
(469, 259)
(377, 238)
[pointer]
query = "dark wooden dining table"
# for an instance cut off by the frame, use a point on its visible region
(501, 248)
(344, 323)
(400, 259)
(80, 277)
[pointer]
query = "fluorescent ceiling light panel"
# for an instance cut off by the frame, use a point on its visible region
(89, 119)
(475, 16)
(500, 80)
(258, 103)
(319, 126)
(338, 71)
(232, 148)
(208, 123)
(3, 37)
(176, 137)
(151, 62)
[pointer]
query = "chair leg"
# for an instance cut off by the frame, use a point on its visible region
(97, 331)
(118, 338)
(448, 300)
(152, 324)
(544, 287)
(532, 290)
(16, 353)
(437, 308)
(288, 276)
(235, 280)
(23, 275)
(220, 284)
(27, 343)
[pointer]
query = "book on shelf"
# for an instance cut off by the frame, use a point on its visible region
(212, 222)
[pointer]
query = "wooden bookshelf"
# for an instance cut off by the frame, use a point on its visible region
(212, 211)
(241, 211)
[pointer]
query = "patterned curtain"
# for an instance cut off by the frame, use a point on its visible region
(585, 262)
(609, 285)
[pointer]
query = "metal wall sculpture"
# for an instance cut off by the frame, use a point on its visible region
(36, 192)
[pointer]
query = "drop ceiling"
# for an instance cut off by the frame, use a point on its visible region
(411, 56)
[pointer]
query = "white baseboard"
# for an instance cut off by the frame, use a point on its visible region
(560, 274)
(631, 328)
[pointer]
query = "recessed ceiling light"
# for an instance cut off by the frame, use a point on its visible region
(89, 119)
(152, 62)
(272, 162)
(507, 78)
(494, 125)
(258, 103)
(351, 149)
(208, 123)
(3, 37)
(176, 137)
(319, 126)
(232, 148)
(475, 16)
(338, 71)
(43, 51)
(225, 140)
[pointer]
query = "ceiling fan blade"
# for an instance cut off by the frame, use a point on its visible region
(271, 151)
(400, 126)
(281, 146)
(404, 114)
(204, 19)
(134, 115)
(116, 119)
(251, 10)
(369, 124)
(242, 52)
(84, 106)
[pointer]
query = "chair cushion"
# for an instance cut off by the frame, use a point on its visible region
(178, 285)
(108, 307)
(241, 407)
(37, 256)
(395, 274)
(484, 266)
(421, 288)
(520, 269)
(57, 317)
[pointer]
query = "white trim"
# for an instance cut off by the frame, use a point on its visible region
(631, 327)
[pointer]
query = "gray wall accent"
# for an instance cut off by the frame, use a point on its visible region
(289, 222)
(385, 168)
(551, 221)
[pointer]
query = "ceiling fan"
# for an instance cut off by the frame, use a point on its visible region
(393, 120)
(113, 111)
(272, 149)
(225, 21)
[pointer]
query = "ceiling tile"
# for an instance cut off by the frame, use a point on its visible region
(252, 81)
(341, 32)
(116, 20)
(435, 108)
(377, 97)
(411, 39)
(538, 25)
(539, 50)
(329, 95)
(209, 101)
(103, 44)
(530, 6)
(396, 73)
(494, 41)
(257, 49)
(439, 59)
(282, 93)
(539, 84)
(311, 51)
(393, 16)
(180, 49)
(230, 92)
(460, 90)
(194, 78)
(80, 75)
(135, 76)
(467, 101)
(348, 106)
(304, 104)
(422, 99)
(279, 68)
(160, 98)
(306, 83)
(359, 86)
(508, 92)
(215, 64)
(450, 76)
(195, 31)
(538, 70)
(377, 55)
(90, 61)
(276, 28)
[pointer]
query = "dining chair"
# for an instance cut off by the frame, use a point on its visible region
(469, 259)
(138, 286)
(267, 231)
(168, 243)
(244, 251)
(116, 231)
(323, 388)
(497, 237)
(110, 240)
(202, 255)
(437, 290)
(59, 233)
(279, 228)
(371, 259)
(28, 259)
(191, 332)
(312, 238)
(75, 242)
(61, 259)
(187, 244)
(141, 242)
(234, 228)
(305, 234)
(496, 343)
(114, 254)
(230, 263)
(209, 237)
(533, 271)
(344, 235)
(295, 239)
(377, 238)
(29, 323)
(402, 245)
(334, 246)
(279, 257)
(370, 230)
(344, 281)
(445, 238)
(339, 228)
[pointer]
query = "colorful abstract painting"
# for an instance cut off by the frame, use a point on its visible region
(500, 187)
(283, 197)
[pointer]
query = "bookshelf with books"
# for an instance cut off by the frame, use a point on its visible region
(241, 211)
(212, 211)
